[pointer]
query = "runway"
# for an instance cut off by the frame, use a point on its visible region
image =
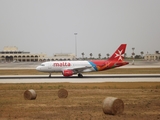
(86, 79)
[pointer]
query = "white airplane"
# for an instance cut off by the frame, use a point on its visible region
(68, 68)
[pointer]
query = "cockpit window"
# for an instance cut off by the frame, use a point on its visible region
(42, 64)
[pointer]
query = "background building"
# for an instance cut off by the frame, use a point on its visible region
(64, 56)
(12, 54)
(155, 56)
(58, 56)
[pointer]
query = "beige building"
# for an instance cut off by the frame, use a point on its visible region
(10, 54)
(155, 56)
(61, 56)
(64, 56)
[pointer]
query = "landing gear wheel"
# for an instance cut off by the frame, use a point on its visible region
(49, 75)
(80, 75)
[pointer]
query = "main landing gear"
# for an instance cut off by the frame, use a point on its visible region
(49, 75)
(80, 75)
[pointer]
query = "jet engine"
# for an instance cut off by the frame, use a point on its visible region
(67, 73)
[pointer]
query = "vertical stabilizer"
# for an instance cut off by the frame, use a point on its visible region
(118, 55)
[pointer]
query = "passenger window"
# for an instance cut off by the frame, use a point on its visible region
(42, 64)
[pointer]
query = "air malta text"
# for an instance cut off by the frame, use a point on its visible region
(61, 64)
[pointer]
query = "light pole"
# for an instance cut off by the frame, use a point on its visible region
(75, 44)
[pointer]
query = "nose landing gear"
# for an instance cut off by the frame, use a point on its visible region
(49, 75)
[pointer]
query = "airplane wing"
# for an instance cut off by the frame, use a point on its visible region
(78, 69)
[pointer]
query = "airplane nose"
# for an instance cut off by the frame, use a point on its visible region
(38, 68)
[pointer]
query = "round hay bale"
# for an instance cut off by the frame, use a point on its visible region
(30, 94)
(112, 106)
(62, 93)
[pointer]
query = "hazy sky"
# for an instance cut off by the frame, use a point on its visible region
(48, 26)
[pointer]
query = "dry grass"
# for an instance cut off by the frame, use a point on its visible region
(84, 101)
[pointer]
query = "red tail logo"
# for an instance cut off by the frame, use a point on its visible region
(119, 53)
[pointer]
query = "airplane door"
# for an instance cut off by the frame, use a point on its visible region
(50, 66)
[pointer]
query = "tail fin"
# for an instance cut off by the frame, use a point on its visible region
(118, 55)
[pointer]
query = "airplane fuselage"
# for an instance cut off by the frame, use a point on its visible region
(68, 68)
(94, 65)
(57, 66)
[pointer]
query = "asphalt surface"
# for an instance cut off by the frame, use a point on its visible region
(93, 76)
(75, 79)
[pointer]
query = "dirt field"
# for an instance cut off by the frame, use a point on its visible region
(84, 101)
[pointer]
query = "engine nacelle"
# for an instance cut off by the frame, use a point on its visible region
(67, 73)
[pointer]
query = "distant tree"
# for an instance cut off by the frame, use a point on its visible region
(133, 56)
(142, 54)
(137, 56)
(99, 55)
(91, 55)
(108, 55)
(125, 55)
(82, 55)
